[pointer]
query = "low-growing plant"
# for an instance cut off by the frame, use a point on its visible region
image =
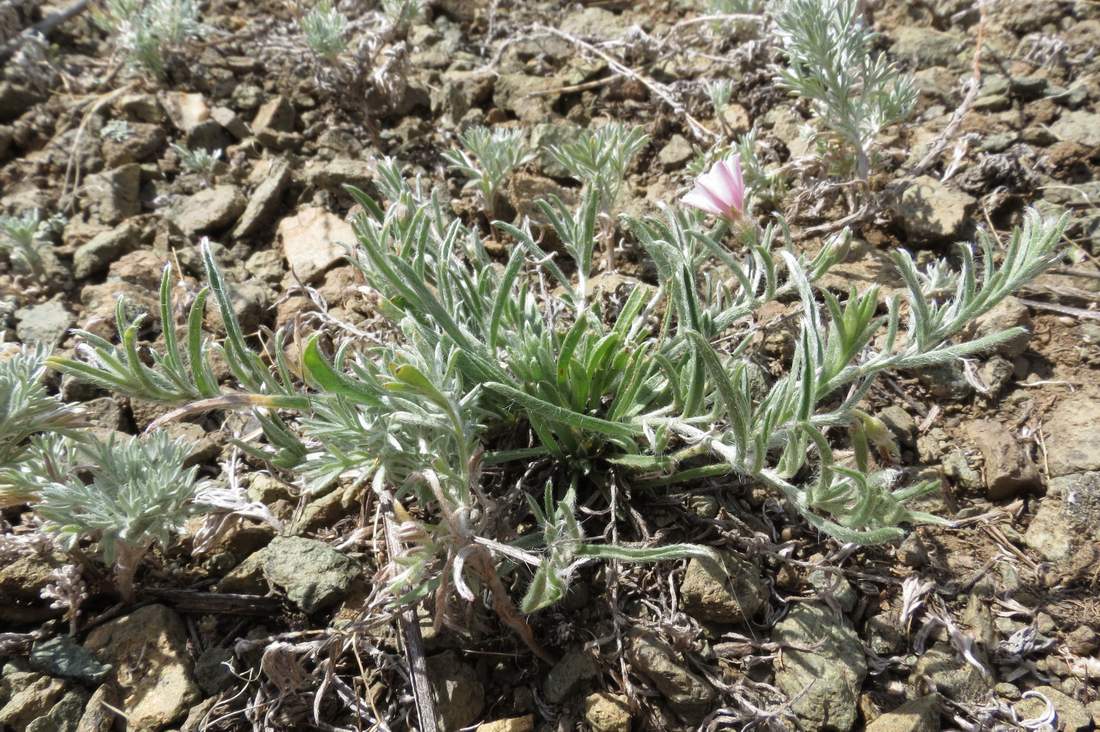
(853, 92)
(719, 91)
(147, 31)
(21, 239)
(199, 160)
(599, 158)
(139, 495)
(519, 375)
(32, 425)
(116, 130)
(487, 158)
(734, 7)
(400, 14)
(326, 30)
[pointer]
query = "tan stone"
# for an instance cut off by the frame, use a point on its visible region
(312, 241)
(512, 724)
(607, 712)
(148, 649)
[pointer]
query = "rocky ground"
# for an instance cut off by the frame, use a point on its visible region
(958, 626)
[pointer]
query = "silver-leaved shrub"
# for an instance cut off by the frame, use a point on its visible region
(139, 494)
(519, 375)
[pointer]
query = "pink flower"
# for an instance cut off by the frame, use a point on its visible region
(720, 190)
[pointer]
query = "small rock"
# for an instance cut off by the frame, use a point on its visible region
(64, 716)
(65, 658)
(834, 585)
(247, 578)
(338, 172)
(327, 509)
(900, 422)
(264, 202)
(514, 724)
(32, 696)
(950, 676)
(114, 195)
(919, 715)
(736, 118)
(946, 381)
(1093, 708)
(15, 100)
(249, 300)
(568, 674)
(531, 98)
(313, 574)
(266, 265)
(148, 649)
(689, 695)
(312, 240)
(186, 110)
(45, 323)
(98, 715)
(675, 153)
(1009, 470)
(1081, 127)
(996, 373)
(273, 124)
(142, 268)
(883, 634)
(1072, 440)
(1068, 517)
(526, 190)
(1009, 313)
(277, 115)
(957, 468)
(198, 715)
(459, 696)
(246, 97)
(210, 210)
(230, 122)
(790, 129)
(1071, 715)
(823, 684)
(213, 670)
(143, 142)
(21, 583)
(731, 593)
(703, 505)
(140, 107)
(1050, 533)
(607, 712)
(923, 47)
(1082, 641)
(930, 211)
(95, 255)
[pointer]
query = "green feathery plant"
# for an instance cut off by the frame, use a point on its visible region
(147, 31)
(734, 7)
(487, 158)
(21, 238)
(400, 14)
(200, 161)
(519, 372)
(599, 158)
(325, 29)
(853, 93)
(140, 494)
(31, 423)
(116, 130)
